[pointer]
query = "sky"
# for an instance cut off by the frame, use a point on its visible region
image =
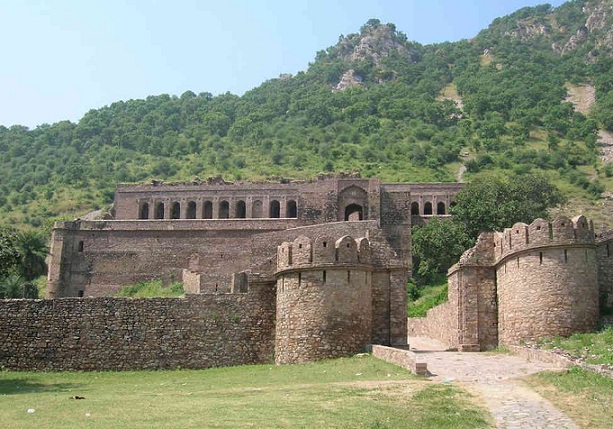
(61, 58)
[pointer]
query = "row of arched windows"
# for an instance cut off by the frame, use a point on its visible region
(159, 210)
(441, 209)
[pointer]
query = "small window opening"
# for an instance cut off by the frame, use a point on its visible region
(81, 245)
(300, 246)
(325, 275)
(415, 208)
(538, 228)
(299, 278)
(348, 276)
(326, 245)
(565, 255)
(81, 293)
(541, 258)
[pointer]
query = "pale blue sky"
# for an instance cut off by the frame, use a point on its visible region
(64, 57)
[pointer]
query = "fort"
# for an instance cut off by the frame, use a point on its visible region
(291, 272)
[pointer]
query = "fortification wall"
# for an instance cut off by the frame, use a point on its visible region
(604, 257)
(98, 258)
(547, 280)
(547, 292)
(199, 331)
(323, 299)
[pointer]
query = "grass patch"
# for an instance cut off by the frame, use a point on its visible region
(596, 347)
(421, 298)
(586, 397)
(151, 289)
(358, 392)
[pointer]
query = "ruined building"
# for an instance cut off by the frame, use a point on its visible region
(526, 283)
(296, 270)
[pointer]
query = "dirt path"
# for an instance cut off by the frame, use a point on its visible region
(495, 378)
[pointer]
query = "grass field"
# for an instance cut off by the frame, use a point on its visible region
(585, 397)
(359, 392)
(596, 347)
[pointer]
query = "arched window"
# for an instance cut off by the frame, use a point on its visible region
(159, 211)
(256, 209)
(144, 211)
(354, 212)
(191, 210)
(275, 209)
(415, 208)
(241, 210)
(428, 208)
(292, 210)
(176, 211)
(440, 208)
(224, 210)
(207, 210)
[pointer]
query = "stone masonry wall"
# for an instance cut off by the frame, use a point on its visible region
(441, 322)
(547, 292)
(604, 255)
(321, 320)
(130, 334)
(98, 258)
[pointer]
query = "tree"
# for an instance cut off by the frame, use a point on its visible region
(32, 249)
(438, 245)
(494, 204)
(8, 252)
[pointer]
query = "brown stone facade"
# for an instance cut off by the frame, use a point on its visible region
(339, 286)
(523, 284)
(198, 331)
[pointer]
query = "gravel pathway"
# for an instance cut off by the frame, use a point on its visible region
(494, 377)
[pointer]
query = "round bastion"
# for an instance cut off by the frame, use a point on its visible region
(547, 280)
(323, 298)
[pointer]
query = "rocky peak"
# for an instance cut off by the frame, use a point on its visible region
(374, 42)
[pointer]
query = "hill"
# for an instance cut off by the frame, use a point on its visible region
(374, 103)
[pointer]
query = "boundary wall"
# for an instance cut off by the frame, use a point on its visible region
(523, 284)
(199, 331)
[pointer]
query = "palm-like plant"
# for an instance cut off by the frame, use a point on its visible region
(33, 250)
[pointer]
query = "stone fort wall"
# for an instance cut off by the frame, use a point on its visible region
(324, 300)
(525, 283)
(198, 331)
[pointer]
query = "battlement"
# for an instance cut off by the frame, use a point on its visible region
(323, 251)
(561, 231)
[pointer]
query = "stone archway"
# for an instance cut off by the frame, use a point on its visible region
(352, 204)
(354, 212)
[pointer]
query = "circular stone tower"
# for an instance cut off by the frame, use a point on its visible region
(547, 280)
(323, 299)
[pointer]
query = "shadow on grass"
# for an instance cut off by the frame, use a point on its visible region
(17, 386)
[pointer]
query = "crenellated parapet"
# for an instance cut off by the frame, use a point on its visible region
(561, 232)
(324, 251)
(324, 298)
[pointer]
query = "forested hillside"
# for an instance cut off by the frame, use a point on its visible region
(374, 103)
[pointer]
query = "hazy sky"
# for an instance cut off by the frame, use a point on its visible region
(62, 58)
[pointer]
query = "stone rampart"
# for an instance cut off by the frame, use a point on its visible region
(199, 331)
(324, 303)
(523, 284)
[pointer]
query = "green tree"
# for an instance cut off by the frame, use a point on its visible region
(33, 250)
(494, 204)
(15, 286)
(8, 252)
(438, 245)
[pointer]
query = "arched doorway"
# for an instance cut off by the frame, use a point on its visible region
(275, 209)
(352, 200)
(354, 212)
(144, 211)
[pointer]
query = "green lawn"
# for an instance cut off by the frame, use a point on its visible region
(585, 397)
(596, 347)
(359, 392)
